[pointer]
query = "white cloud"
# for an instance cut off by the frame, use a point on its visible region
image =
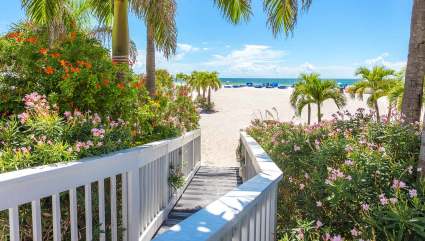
(381, 60)
(249, 59)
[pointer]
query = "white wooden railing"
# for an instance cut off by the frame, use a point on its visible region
(145, 200)
(246, 213)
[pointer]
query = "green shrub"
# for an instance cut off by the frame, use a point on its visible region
(349, 178)
(73, 73)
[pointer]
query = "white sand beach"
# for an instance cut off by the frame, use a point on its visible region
(237, 107)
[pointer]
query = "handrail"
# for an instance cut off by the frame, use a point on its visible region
(246, 213)
(145, 198)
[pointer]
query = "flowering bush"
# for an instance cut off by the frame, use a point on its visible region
(347, 179)
(39, 136)
(73, 73)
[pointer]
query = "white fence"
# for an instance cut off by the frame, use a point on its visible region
(246, 213)
(137, 199)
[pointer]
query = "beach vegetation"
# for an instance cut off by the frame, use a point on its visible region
(310, 89)
(376, 82)
(349, 178)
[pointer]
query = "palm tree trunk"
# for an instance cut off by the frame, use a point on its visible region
(209, 96)
(308, 114)
(378, 118)
(390, 108)
(319, 113)
(120, 38)
(203, 93)
(415, 71)
(150, 61)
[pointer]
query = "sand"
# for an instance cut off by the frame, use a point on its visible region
(235, 108)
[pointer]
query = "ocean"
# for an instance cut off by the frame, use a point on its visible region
(280, 81)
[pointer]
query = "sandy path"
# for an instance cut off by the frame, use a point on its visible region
(235, 110)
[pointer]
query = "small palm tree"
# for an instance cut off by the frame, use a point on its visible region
(312, 90)
(377, 82)
(213, 83)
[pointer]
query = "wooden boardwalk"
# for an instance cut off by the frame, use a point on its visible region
(208, 184)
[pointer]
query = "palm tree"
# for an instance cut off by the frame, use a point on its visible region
(415, 71)
(214, 83)
(376, 82)
(161, 32)
(312, 90)
(300, 98)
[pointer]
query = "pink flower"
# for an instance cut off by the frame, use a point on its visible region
(337, 238)
(348, 148)
(297, 148)
(397, 184)
(300, 234)
(98, 132)
(365, 206)
(67, 114)
(77, 113)
(413, 193)
(99, 144)
(348, 162)
(302, 186)
(23, 117)
(349, 178)
(393, 200)
(319, 204)
(318, 224)
(355, 232)
(383, 199)
(306, 175)
(96, 119)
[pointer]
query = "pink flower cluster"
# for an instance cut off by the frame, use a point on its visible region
(335, 174)
(98, 132)
(397, 184)
(36, 101)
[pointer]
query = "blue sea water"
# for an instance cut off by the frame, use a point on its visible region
(280, 81)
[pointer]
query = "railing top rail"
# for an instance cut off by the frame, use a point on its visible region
(29, 184)
(219, 217)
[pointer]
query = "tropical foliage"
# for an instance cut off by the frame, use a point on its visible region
(310, 89)
(377, 82)
(350, 178)
(74, 73)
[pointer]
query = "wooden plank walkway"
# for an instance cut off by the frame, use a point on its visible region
(208, 184)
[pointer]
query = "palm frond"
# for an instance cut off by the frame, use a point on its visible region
(235, 10)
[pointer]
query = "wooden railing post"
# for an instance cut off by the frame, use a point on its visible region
(133, 205)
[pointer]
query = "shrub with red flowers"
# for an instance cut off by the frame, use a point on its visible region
(351, 178)
(75, 72)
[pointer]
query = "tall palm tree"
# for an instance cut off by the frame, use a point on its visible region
(312, 90)
(415, 71)
(376, 82)
(214, 83)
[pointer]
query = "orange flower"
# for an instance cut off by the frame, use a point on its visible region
(49, 70)
(73, 35)
(66, 76)
(88, 65)
(137, 85)
(13, 35)
(97, 86)
(121, 86)
(75, 70)
(63, 63)
(31, 40)
(43, 51)
(106, 82)
(55, 55)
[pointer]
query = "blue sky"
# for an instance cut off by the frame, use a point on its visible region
(333, 38)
